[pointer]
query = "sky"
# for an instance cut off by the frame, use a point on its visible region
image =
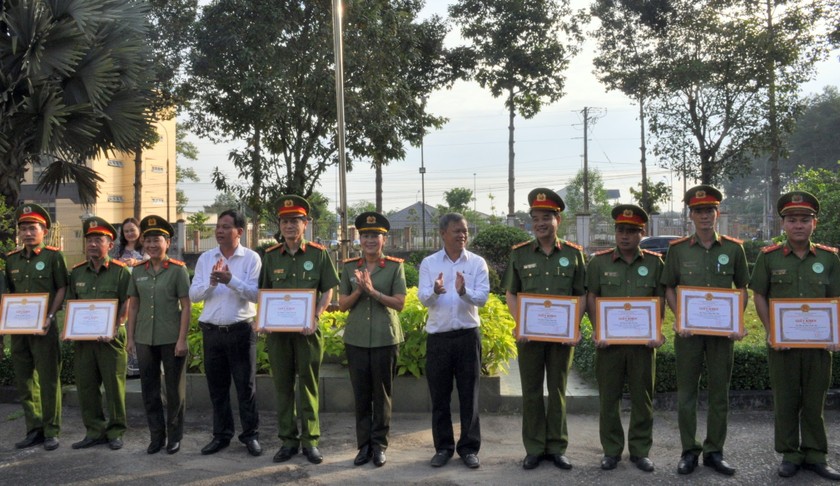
(471, 150)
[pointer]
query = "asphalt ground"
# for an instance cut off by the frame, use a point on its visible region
(749, 449)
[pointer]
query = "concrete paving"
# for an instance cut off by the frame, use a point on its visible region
(749, 448)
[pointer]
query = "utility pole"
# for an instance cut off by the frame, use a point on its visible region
(585, 159)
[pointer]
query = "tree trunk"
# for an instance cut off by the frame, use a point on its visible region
(646, 203)
(377, 164)
(256, 188)
(511, 179)
(773, 123)
(138, 183)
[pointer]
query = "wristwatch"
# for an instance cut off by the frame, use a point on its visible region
(50, 317)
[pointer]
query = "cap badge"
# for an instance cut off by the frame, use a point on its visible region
(371, 219)
(628, 213)
(541, 197)
(27, 209)
(700, 194)
(797, 198)
(94, 224)
(288, 203)
(152, 222)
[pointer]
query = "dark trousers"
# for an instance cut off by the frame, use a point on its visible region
(230, 354)
(102, 364)
(36, 361)
(454, 354)
(149, 359)
(544, 365)
(372, 373)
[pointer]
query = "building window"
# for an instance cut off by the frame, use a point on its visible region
(115, 198)
(115, 163)
(156, 169)
(157, 200)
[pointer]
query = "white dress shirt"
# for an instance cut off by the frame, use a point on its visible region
(450, 311)
(233, 302)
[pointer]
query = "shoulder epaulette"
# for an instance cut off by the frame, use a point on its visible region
(654, 253)
(13, 252)
(80, 264)
(177, 262)
(316, 245)
(348, 260)
(573, 245)
(734, 240)
(826, 247)
(770, 248)
(678, 241)
(52, 248)
(143, 262)
(118, 263)
(604, 252)
(520, 245)
(394, 259)
(272, 248)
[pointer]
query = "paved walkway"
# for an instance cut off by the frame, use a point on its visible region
(750, 449)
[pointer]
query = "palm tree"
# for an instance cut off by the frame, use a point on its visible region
(74, 83)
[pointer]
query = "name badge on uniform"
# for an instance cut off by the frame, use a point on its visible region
(279, 270)
(141, 279)
(817, 267)
(308, 265)
(15, 270)
(611, 274)
(643, 271)
(564, 262)
(779, 271)
(40, 266)
(80, 284)
(530, 265)
(723, 259)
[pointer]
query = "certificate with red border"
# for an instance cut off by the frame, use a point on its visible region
(549, 317)
(627, 320)
(23, 313)
(710, 311)
(285, 310)
(804, 323)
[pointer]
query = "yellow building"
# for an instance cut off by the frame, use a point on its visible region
(116, 194)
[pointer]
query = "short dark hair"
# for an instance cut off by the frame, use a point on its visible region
(238, 218)
(450, 218)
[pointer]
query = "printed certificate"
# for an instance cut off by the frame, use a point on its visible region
(628, 320)
(804, 323)
(710, 311)
(23, 313)
(549, 317)
(285, 310)
(88, 320)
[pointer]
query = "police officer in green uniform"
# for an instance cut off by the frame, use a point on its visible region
(158, 322)
(373, 290)
(798, 269)
(625, 271)
(297, 264)
(550, 266)
(36, 359)
(705, 259)
(101, 362)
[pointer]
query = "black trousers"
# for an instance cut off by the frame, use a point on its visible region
(454, 355)
(149, 359)
(230, 354)
(372, 373)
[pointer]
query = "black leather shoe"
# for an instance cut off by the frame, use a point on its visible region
(51, 443)
(155, 446)
(609, 462)
(687, 464)
(823, 470)
(643, 463)
(379, 457)
(115, 444)
(173, 447)
(715, 461)
(32, 439)
(530, 461)
(285, 453)
(561, 461)
(788, 469)
(471, 460)
(441, 458)
(364, 455)
(88, 442)
(254, 447)
(313, 455)
(214, 446)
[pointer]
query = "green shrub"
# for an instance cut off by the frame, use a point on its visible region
(412, 275)
(195, 343)
(498, 344)
(494, 244)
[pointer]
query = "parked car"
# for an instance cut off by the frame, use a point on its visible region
(659, 244)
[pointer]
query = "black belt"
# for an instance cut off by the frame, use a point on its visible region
(455, 333)
(236, 326)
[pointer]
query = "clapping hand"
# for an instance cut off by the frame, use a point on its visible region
(439, 289)
(220, 273)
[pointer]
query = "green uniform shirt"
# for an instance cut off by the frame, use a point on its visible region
(43, 271)
(779, 273)
(562, 272)
(721, 266)
(309, 268)
(110, 283)
(159, 314)
(609, 275)
(370, 324)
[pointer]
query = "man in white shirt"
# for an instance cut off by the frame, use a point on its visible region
(227, 280)
(454, 283)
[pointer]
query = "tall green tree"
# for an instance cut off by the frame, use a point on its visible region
(458, 199)
(73, 84)
(656, 194)
(189, 151)
(599, 205)
(825, 184)
(521, 49)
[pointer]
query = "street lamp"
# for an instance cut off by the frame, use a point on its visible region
(423, 172)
